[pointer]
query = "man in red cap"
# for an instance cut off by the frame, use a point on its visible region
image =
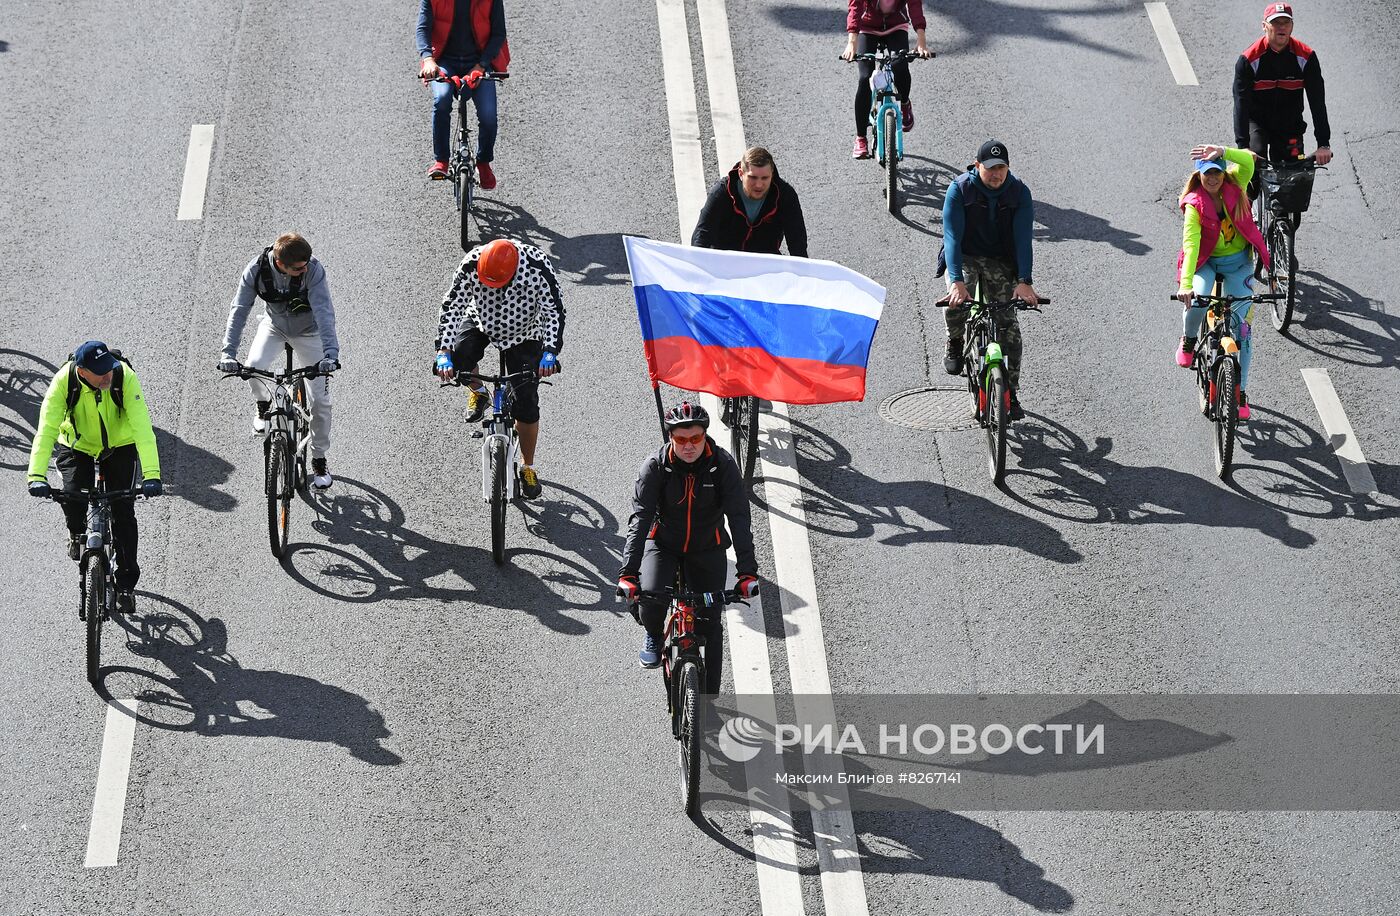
(1271, 77)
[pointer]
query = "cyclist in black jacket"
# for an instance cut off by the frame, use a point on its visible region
(1271, 78)
(684, 494)
(752, 209)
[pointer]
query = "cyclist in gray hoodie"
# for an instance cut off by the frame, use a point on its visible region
(292, 285)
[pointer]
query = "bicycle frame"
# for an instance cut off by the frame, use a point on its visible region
(500, 427)
(883, 97)
(1219, 343)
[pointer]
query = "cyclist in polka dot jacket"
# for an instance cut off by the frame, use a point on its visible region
(504, 293)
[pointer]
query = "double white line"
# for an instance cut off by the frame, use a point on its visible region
(775, 853)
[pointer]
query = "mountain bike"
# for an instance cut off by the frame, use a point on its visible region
(461, 165)
(1215, 360)
(688, 616)
(500, 448)
(886, 117)
(97, 586)
(984, 367)
(1285, 190)
(285, 444)
(741, 416)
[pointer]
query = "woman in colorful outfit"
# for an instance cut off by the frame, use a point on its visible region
(1219, 237)
(875, 24)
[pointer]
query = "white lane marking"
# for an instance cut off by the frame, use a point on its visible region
(196, 172)
(721, 79)
(1339, 432)
(109, 799)
(843, 883)
(775, 849)
(687, 162)
(1171, 44)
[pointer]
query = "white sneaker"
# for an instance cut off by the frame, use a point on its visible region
(259, 424)
(320, 477)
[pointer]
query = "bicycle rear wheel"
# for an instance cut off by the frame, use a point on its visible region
(690, 733)
(94, 605)
(1227, 412)
(742, 418)
(998, 407)
(498, 501)
(891, 126)
(1283, 270)
(466, 192)
(277, 483)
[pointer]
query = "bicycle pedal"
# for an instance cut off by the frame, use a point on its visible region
(477, 434)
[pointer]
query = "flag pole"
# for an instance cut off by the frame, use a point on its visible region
(660, 411)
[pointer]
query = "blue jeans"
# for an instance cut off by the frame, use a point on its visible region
(484, 95)
(1236, 272)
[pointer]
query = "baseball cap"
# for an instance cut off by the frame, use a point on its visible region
(95, 357)
(1209, 165)
(993, 152)
(1277, 11)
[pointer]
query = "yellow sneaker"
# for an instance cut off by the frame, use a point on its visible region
(477, 402)
(529, 483)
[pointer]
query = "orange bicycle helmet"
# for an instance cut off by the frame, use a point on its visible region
(496, 264)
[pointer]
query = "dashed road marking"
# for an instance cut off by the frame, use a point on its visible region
(109, 798)
(1339, 432)
(196, 172)
(1171, 44)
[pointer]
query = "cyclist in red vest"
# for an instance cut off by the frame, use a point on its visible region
(1271, 78)
(463, 38)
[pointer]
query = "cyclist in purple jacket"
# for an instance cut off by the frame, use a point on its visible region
(875, 24)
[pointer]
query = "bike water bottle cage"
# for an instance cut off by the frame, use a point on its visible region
(294, 299)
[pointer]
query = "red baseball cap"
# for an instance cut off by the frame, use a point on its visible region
(1277, 11)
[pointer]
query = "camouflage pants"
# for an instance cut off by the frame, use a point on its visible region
(997, 280)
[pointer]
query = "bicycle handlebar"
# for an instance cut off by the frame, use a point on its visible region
(705, 599)
(1019, 303)
(91, 496)
(459, 376)
(893, 56)
(247, 372)
(1230, 300)
(458, 81)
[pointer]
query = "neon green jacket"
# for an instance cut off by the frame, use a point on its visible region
(1239, 169)
(93, 424)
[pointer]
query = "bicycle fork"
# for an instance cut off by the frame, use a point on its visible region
(512, 454)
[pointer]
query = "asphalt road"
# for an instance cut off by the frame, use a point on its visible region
(389, 723)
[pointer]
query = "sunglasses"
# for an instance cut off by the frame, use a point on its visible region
(688, 440)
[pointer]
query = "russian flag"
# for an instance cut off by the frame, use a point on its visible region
(733, 323)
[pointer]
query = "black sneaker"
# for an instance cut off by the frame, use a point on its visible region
(953, 356)
(1016, 413)
(529, 483)
(75, 546)
(126, 601)
(320, 477)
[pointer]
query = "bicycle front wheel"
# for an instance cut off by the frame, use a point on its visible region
(690, 733)
(299, 472)
(998, 408)
(891, 127)
(466, 192)
(277, 482)
(498, 501)
(94, 605)
(1283, 269)
(1227, 413)
(742, 417)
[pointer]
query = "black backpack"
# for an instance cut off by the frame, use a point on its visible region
(75, 385)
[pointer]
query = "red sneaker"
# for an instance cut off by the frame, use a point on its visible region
(862, 150)
(1244, 406)
(437, 171)
(906, 109)
(486, 177)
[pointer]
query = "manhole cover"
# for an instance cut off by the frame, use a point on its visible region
(933, 409)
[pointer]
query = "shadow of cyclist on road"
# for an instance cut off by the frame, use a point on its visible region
(1335, 321)
(209, 693)
(593, 259)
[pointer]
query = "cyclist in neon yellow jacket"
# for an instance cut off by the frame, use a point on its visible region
(95, 410)
(1218, 240)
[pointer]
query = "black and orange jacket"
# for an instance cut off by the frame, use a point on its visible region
(683, 508)
(1269, 88)
(724, 223)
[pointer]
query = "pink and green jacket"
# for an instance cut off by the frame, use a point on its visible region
(1201, 237)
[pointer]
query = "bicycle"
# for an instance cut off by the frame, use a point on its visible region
(461, 165)
(886, 116)
(740, 414)
(683, 673)
(1215, 360)
(97, 587)
(1285, 190)
(285, 444)
(500, 448)
(984, 367)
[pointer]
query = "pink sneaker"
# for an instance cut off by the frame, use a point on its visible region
(487, 178)
(437, 171)
(1244, 406)
(862, 150)
(1183, 352)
